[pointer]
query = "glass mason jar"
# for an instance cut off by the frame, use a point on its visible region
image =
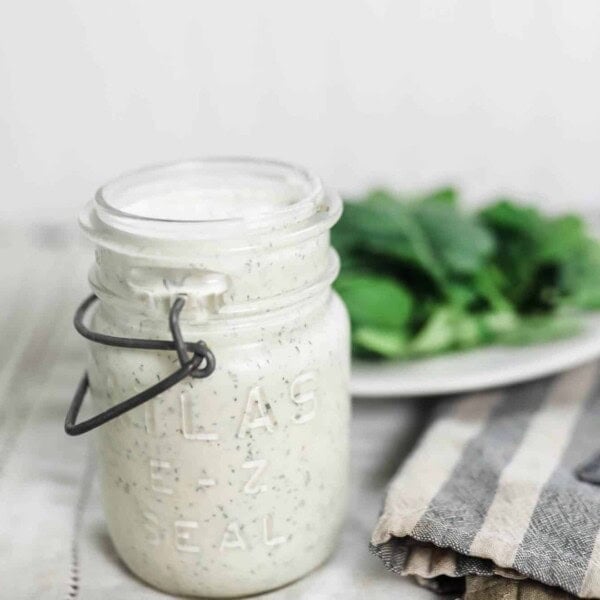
(236, 483)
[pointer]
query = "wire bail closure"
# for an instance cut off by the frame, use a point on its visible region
(200, 365)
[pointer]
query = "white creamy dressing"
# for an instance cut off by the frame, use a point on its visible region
(208, 205)
(236, 483)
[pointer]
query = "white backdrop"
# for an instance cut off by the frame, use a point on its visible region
(494, 96)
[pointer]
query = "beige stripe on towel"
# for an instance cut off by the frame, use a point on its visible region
(534, 461)
(439, 452)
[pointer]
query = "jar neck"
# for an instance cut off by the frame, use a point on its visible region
(230, 284)
(236, 237)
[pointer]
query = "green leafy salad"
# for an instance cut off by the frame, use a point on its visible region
(420, 276)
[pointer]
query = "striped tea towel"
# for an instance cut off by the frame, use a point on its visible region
(491, 490)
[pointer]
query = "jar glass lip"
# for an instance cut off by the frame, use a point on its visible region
(209, 196)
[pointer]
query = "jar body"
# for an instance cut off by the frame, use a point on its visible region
(236, 483)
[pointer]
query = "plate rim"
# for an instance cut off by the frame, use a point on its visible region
(588, 342)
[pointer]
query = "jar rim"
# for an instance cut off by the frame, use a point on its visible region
(171, 199)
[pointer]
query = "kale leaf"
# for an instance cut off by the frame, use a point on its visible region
(421, 276)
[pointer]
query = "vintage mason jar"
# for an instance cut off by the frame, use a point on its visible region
(235, 483)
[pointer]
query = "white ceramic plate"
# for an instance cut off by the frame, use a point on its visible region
(476, 369)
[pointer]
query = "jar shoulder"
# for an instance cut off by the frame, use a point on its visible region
(329, 312)
(318, 340)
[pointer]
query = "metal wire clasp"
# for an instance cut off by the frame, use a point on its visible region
(201, 364)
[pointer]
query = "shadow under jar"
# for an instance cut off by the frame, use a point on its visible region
(233, 484)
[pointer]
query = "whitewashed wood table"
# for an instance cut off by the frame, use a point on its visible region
(53, 540)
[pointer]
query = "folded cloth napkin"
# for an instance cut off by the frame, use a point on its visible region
(491, 490)
(501, 588)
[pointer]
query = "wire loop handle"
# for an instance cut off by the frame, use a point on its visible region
(200, 365)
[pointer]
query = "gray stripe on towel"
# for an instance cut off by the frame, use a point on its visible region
(458, 510)
(560, 537)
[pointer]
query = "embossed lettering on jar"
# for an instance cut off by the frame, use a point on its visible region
(233, 484)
